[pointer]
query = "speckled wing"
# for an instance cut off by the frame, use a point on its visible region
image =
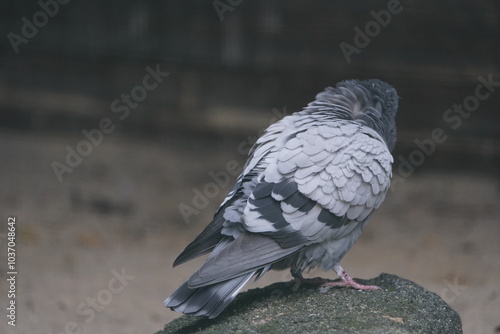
(323, 178)
(323, 181)
(345, 167)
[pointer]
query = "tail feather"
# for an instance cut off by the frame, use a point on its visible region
(208, 300)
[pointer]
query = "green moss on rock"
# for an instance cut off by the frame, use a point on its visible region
(400, 307)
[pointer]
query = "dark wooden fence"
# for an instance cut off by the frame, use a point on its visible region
(232, 62)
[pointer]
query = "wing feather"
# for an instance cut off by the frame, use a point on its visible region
(247, 253)
(296, 201)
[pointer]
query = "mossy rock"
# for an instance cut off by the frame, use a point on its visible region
(400, 307)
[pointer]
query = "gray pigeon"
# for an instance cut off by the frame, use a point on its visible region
(310, 184)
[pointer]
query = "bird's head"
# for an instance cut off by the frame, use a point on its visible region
(372, 102)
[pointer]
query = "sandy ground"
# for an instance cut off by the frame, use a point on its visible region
(94, 252)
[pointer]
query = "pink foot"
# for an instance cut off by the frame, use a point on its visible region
(348, 282)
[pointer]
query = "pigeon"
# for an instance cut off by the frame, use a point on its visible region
(307, 190)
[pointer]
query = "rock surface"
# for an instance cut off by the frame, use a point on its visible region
(400, 307)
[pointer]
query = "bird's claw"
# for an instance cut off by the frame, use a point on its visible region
(350, 284)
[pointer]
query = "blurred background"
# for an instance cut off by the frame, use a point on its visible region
(123, 125)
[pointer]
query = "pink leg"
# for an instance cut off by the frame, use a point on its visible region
(347, 281)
